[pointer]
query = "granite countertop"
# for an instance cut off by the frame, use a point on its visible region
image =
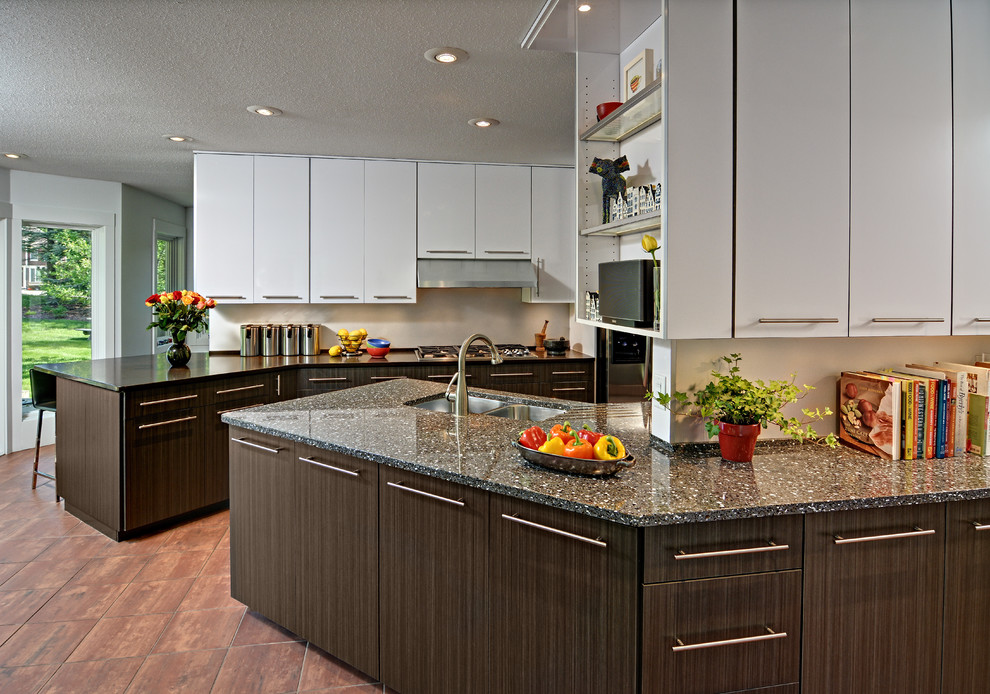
(664, 487)
(122, 373)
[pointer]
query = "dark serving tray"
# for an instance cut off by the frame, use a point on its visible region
(579, 466)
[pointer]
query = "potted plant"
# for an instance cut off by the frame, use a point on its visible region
(736, 409)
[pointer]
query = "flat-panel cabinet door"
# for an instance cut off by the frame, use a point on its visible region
(224, 221)
(901, 170)
(390, 232)
(503, 212)
(971, 167)
(336, 232)
(792, 181)
(281, 230)
(553, 236)
(445, 210)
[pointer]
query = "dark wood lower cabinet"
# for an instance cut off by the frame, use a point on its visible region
(873, 583)
(434, 585)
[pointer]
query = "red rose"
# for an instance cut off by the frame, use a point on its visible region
(177, 295)
(153, 299)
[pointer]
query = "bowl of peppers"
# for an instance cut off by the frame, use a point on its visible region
(580, 451)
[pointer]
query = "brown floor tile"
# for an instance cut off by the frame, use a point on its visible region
(121, 637)
(43, 574)
(36, 507)
(166, 565)
(322, 671)
(6, 631)
(216, 518)
(38, 644)
(256, 629)
(200, 630)
(81, 528)
(85, 546)
(360, 689)
(225, 540)
(193, 537)
(23, 549)
(46, 526)
(189, 671)
(8, 570)
(209, 592)
(108, 570)
(17, 606)
(149, 597)
(104, 676)
(22, 680)
(261, 669)
(78, 602)
(148, 544)
(218, 564)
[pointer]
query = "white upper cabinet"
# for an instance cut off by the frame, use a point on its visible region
(901, 168)
(554, 230)
(446, 210)
(390, 231)
(223, 213)
(503, 212)
(792, 168)
(971, 162)
(281, 230)
(336, 231)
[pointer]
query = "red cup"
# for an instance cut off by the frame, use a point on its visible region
(606, 108)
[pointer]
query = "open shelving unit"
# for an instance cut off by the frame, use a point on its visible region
(630, 225)
(641, 111)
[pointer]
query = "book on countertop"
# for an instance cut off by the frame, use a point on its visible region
(926, 400)
(978, 430)
(939, 385)
(909, 415)
(978, 377)
(959, 397)
(870, 413)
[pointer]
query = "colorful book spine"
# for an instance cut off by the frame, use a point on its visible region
(941, 417)
(978, 429)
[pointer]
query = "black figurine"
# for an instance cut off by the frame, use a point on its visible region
(613, 182)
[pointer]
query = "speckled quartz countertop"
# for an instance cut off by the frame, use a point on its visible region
(663, 488)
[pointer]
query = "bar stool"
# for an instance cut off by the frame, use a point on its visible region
(43, 399)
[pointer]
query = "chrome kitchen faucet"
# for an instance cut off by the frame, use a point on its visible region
(460, 395)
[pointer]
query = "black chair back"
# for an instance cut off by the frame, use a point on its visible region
(42, 390)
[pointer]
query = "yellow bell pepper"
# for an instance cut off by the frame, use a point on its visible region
(609, 448)
(554, 446)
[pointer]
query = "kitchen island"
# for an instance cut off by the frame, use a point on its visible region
(420, 548)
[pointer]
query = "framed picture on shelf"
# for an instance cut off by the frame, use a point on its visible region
(637, 74)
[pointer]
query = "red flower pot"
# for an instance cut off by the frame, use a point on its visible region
(737, 441)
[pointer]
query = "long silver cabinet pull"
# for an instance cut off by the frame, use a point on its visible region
(566, 373)
(242, 407)
(455, 502)
(980, 526)
(798, 320)
(278, 385)
(337, 296)
(353, 473)
(328, 378)
(387, 378)
(505, 252)
(391, 296)
(220, 296)
(169, 421)
(917, 532)
(277, 296)
(257, 445)
(769, 547)
(908, 320)
(444, 377)
(448, 251)
(162, 402)
(521, 373)
(981, 320)
(237, 390)
(555, 531)
(561, 390)
(771, 634)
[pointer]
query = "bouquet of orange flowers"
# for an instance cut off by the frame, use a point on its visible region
(180, 312)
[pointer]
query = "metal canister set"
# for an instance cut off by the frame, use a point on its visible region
(287, 340)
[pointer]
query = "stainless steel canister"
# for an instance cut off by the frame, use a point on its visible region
(309, 339)
(269, 340)
(289, 340)
(250, 340)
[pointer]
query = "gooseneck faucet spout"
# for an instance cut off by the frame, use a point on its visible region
(461, 395)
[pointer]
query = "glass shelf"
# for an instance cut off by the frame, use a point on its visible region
(630, 225)
(620, 328)
(641, 111)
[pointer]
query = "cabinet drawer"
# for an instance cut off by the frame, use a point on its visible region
(313, 381)
(722, 548)
(570, 371)
(146, 401)
(230, 390)
(569, 390)
(722, 634)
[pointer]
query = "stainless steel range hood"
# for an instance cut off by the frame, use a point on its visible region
(475, 273)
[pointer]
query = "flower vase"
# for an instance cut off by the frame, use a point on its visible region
(178, 353)
(656, 298)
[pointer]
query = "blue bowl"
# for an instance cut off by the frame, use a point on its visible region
(378, 342)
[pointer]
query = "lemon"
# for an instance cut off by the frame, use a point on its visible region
(342, 332)
(364, 333)
(354, 333)
(335, 351)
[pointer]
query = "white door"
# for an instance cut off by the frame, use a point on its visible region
(281, 230)
(336, 232)
(554, 231)
(445, 210)
(503, 212)
(390, 232)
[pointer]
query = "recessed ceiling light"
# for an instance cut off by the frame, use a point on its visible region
(178, 138)
(265, 110)
(584, 7)
(14, 155)
(483, 122)
(446, 54)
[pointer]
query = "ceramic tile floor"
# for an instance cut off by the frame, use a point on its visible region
(81, 613)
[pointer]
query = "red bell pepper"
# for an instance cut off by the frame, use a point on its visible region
(579, 448)
(589, 435)
(534, 437)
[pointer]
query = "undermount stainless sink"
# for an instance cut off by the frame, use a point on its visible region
(495, 408)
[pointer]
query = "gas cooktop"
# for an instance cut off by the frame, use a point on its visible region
(475, 351)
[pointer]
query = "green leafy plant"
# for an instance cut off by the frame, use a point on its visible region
(730, 398)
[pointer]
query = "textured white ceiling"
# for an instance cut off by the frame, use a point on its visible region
(89, 87)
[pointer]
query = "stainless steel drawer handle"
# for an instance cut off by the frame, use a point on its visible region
(220, 296)
(917, 532)
(981, 320)
(169, 421)
(521, 373)
(555, 531)
(561, 390)
(445, 377)
(337, 296)
(771, 546)
(328, 378)
(257, 445)
(242, 407)
(506, 252)
(162, 402)
(566, 373)
(980, 526)
(353, 473)
(387, 378)
(455, 502)
(428, 251)
(237, 390)
(908, 320)
(798, 320)
(279, 296)
(392, 296)
(771, 634)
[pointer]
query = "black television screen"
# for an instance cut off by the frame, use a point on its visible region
(625, 292)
